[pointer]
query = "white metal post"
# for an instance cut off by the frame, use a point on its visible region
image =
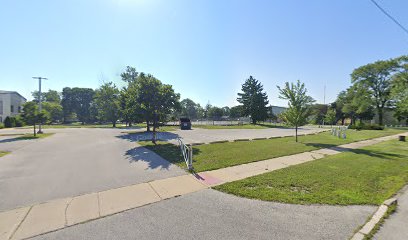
(190, 159)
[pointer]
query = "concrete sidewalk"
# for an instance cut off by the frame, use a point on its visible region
(57, 214)
(229, 174)
(395, 228)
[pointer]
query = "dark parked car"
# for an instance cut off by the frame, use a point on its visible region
(185, 124)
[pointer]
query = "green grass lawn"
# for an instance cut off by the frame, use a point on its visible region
(31, 136)
(219, 155)
(2, 153)
(368, 175)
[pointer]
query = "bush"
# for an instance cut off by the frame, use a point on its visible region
(19, 121)
(1, 125)
(362, 126)
(9, 122)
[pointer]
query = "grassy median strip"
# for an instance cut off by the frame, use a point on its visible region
(368, 175)
(31, 136)
(220, 155)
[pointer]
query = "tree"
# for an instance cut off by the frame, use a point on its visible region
(9, 122)
(318, 112)
(254, 100)
(358, 104)
(129, 75)
(226, 111)
(50, 96)
(330, 116)
(78, 101)
(236, 111)
(189, 108)
(55, 111)
(31, 116)
(399, 91)
(107, 101)
(338, 105)
(298, 104)
(215, 113)
(152, 100)
(376, 77)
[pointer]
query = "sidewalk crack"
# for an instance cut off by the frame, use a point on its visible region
(19, 225)
(155, 191)
(66, 209)
(99, 204)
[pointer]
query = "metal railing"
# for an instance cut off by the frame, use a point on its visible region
(187, 152)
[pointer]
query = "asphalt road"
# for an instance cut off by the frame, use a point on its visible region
(209, 214)
(198, 135)
(396, 227)
(74, 162)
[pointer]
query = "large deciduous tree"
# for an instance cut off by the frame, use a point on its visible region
(358, 104)
(376, 77)
(254, 100)
(189, 108)
(151, 100)
(78, 101)
(298, 104)
(399, 90)
(107, 100)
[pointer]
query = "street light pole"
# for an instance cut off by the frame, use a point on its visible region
(39, 99)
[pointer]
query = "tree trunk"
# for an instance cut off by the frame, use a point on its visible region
(253, 121)
(154, 129)
(296, 132)
(380, 116)
(147, 127)
(114, 123)
(35, 132)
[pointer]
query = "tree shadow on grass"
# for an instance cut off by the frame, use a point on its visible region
(15, 139)
(143, 154)
(371, 153)
(168, 152)
(377, 154)
(322, 145)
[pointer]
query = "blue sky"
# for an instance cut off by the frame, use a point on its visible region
(204, 48)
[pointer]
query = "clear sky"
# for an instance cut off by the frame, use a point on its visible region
(204, 48)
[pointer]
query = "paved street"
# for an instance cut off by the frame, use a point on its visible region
(198, 135)
(395, 227)
(74, 162)
(209, 214)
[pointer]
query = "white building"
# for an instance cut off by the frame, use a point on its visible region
(11, 104)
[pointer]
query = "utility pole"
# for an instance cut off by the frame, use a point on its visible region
(39, 99)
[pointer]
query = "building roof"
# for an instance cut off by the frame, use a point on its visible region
(12, 92)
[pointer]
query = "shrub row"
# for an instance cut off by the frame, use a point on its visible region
(362, 126)
(10, 122)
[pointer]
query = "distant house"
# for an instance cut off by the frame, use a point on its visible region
(11, 104)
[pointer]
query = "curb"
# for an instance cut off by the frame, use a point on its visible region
(368, 228)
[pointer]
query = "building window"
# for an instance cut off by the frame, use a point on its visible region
(1, 107)
(11, 108)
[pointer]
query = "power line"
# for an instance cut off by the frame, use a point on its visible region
(389, 15)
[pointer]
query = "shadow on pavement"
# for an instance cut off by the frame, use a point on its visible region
(143, 154)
